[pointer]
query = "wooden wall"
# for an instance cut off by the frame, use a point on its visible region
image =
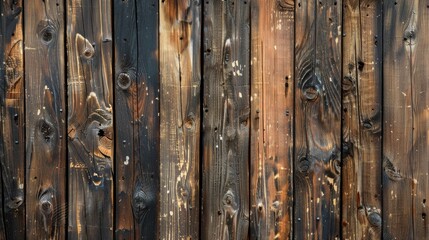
(214, 119)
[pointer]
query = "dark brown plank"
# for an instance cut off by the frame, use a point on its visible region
(45, 119)
(362, 87)
(90, 132)
(225, 183)
(180, 46)
(405, 179)
(317, 119)
(146, 171)
(126, 115)
(272, 99)
(12, 116)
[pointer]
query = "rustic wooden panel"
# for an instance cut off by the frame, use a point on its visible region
(406, 122)
(225, 187)
(146, 171)
(362, 86)
(318, 122)
(45, 119)
(126, 115)
(12, 132)
(272, 102)
(180, 49)
(90, 133)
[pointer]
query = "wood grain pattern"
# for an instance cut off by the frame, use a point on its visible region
(90, 123)
(12, 131)
(406, 124)
(126, 115)
(362, 86)
(272, 104)
(146, 171)
(180, 49)
(45, 119)
(317, 119)
(225, 186)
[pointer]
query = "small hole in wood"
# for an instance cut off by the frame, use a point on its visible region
(423, 216)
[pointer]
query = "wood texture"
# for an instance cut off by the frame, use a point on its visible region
(317, 119)
(180, 60)
(272, 109)
(406, 124)
(45, 119)
(126, 98)
(90, 121)
(225, 187)
(362, 86)
(12, 130)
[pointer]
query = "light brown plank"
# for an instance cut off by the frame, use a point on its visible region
(272, 101)
(45, 119)
(362, 113)
(180, 46)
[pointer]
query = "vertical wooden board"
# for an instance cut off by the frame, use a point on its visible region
(146, 171)
(397, 120)
(226, 74)
(317, 119)
(126, 115)
(272, 105)
(405, 120)
(180, 46)
(45, 119)
(90, 132)
(361, 86)
(12, 131)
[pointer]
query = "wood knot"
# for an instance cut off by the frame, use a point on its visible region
(310, 93)
(143, 200)
(190, 122)
(84, 47)
(374, 219)
(124, 81)
(391, 171)
(304, 164)
(347, 84)
(367, 124)
(46, 31)
(46, 205)
(47, 130)
(410, 37)
(285, 5)
(347, 149)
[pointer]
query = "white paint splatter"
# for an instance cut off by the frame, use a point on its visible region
(127, 160)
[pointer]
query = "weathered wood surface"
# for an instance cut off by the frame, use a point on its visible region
(45, 119)
(272, 99)
(318, 119)
(180, 60)
(90, 121)
(12, 116)
(406, 124)
(225, 178)
(362, 126)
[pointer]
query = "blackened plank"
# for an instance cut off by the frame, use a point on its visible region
(272, 101)
(226, 74)
(90, 131)
(317, 119)
(45, 119)
(362, 112)
(180, 71)
(12, 132)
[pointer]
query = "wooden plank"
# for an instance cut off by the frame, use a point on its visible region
(225, 187)
(126, 115)
(12, 118)
(90, 132)
(362, 87)
(317, 119)
(180, 46)
(272, 104)
(45, 119)
(406, 124)
(146, 171)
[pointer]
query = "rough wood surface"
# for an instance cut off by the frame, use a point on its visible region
(12, 116)
(405, 166)
(45, 119)
(126, 115)
(317, 119)
(180, 60)
(90, 130)
(362, 86)
(272, 99)
(225, 186)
